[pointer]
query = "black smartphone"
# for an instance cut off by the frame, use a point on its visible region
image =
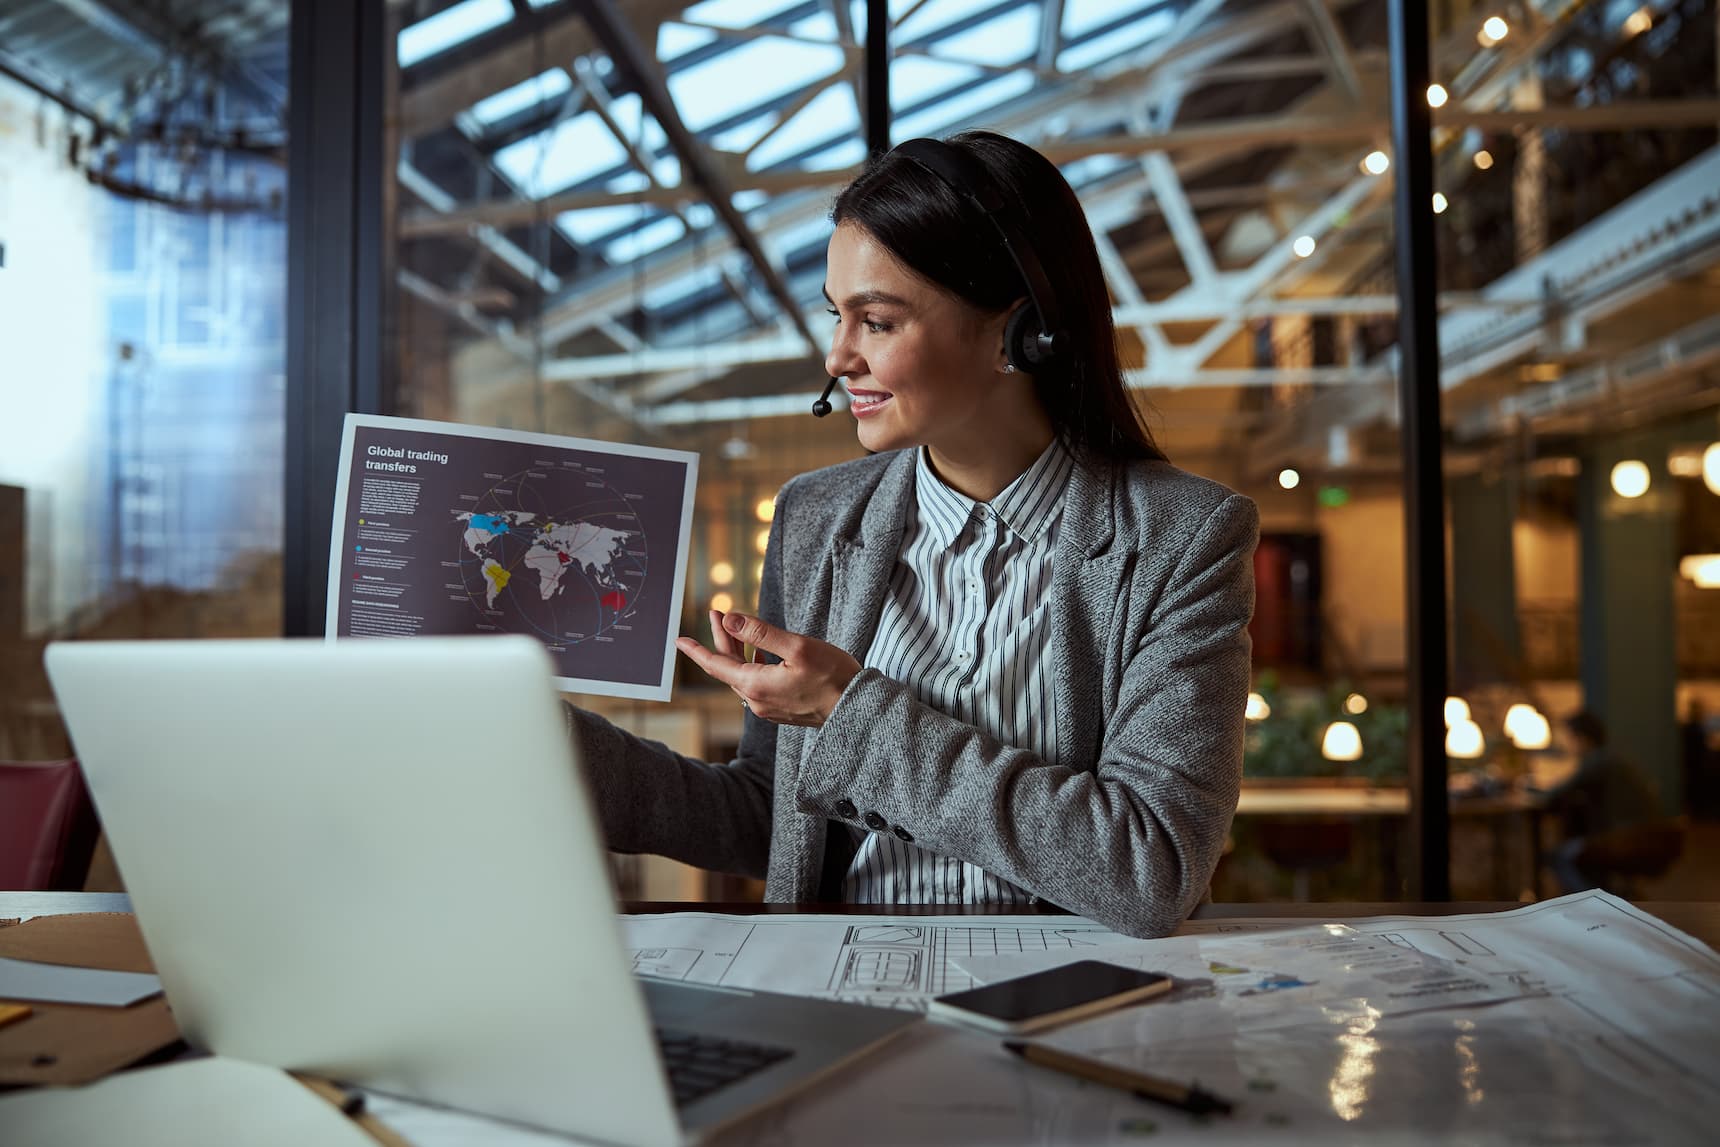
(1043, 999)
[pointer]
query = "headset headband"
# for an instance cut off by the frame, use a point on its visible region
(965, 176)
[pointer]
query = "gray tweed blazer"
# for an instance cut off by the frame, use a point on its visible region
(1152, 598)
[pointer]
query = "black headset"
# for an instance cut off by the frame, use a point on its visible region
(1032, 338)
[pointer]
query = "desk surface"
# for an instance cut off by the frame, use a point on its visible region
(1700, 919)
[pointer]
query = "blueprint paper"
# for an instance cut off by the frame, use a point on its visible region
(447, 530)
(881, 960)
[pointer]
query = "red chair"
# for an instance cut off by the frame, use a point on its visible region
(48, 826)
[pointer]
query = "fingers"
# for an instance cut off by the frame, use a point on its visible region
(720, 640)
(731, 671)
(753, 631)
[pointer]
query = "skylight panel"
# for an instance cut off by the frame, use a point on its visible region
(814, 232)
(831, 115)
(934, 14)
(450, 28)
(1083, 16)
(636, 244)
(736, 13)
(550, 85)
(965, 109)
(589, 224)
(1092, 168)
(915, 79)
(676, 40)
(749, 198)
(845, 154)
(753, 74)
(571, 152)
(744, 134)
(1007, 39)
(1149, 27)
(821, 25)
(682, 288)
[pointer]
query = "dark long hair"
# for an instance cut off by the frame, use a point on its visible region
(939, 235)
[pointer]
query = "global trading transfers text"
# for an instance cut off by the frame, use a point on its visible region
(399, 452)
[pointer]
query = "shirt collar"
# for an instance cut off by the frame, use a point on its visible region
(1027, 505)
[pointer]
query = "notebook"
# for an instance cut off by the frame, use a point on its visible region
(376, 860)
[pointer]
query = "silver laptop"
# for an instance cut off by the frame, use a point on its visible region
(377, 861)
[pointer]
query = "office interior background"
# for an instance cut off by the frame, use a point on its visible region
(607, 218)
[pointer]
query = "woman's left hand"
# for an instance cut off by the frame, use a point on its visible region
(802, 690)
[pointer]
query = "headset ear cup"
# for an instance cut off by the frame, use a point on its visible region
(1019, 337)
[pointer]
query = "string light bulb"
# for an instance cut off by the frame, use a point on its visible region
(1258, 709)
(1630, 478)
(1437, 95)
(1464, 740)
(1456, 709)
(1341, 743)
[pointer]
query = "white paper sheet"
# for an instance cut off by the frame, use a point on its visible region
(63, 984)
(213, 1102)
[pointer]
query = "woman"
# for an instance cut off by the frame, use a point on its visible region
(1006, 654)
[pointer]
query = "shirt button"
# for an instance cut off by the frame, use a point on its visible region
(875, 822)
(845, 809)
(973, 586)
(964, 656)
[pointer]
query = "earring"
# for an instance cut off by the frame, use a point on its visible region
(1009, 368)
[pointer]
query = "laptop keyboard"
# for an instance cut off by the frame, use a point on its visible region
(700, 1064)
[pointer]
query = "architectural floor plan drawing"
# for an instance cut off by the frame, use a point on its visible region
(862, 959)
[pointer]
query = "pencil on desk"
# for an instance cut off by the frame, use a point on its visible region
(1184, 1095)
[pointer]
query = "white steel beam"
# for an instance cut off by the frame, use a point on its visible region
(779, 348)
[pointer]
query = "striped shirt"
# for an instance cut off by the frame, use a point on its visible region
(966, 626)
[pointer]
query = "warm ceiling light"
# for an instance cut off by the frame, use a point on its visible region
(1437, 95)
(1493, 30)
(1517, 714)
(722, 573)
(1440, 203)
(1258, 709)
(1711, 467)
(1532, 732)
(1376, 163)
(1702, 569)
(762, 541)
(1638, 22)
(722, 602)
(1456, 709)
(1303, 246)
(1289, 479)
(1464, 741)
(1483, 159)
(1341, 742)
(1630, 479)
(766, 509)
(1355, 703)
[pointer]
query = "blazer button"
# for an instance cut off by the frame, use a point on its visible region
(902, 834)
(876, 823)
(846, 810)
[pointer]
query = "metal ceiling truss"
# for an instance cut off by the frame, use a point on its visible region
(1155, 76)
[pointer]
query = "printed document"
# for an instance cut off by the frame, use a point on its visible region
(444, 530)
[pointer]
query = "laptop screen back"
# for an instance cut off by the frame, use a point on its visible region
(373, 860)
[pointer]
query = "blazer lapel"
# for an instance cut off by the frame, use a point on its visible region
(1085, 590)
(862, 559)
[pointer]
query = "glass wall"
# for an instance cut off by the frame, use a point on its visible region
(565, 262)
(142, 310)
